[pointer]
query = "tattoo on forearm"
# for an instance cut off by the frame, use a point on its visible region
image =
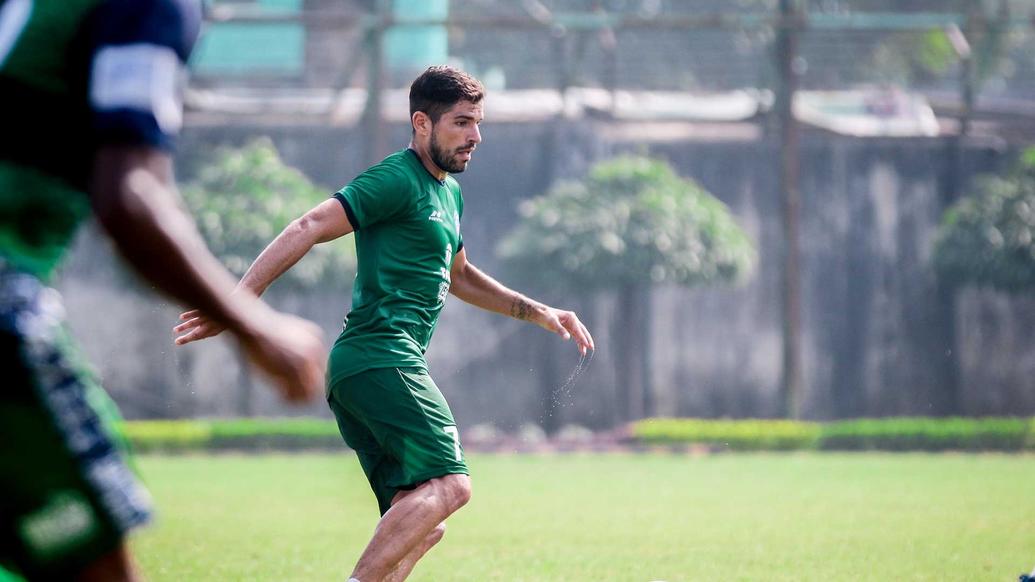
(521, 309)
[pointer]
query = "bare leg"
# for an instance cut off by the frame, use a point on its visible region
(409, 522)
(116, 566)
(410, 560)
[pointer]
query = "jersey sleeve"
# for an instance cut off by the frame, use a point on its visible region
(137, 71)
(377, 195)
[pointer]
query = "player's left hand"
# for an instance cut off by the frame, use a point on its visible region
(567, 325)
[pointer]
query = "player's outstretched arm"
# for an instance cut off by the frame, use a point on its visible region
(473, 286)
(325, 222)
(134, 199)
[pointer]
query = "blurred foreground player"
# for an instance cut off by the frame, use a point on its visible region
(90, 102)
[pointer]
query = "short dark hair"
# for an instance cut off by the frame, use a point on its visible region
(441, 87)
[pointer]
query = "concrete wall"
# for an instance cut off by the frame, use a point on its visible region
(875, 333)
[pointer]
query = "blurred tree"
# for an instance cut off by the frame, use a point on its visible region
(989, 238)
(632, 223)
(923, 57)
(916, 57)
(245, 196)
(242, 198)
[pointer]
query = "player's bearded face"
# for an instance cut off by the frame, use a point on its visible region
(451, 160)
(455, 136)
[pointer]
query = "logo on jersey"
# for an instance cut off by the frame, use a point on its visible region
(443, 287)
(65, 520)
(441, 217)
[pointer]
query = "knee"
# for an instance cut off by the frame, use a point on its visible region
(456, 491)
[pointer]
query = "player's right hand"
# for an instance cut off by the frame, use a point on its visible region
(196, 326)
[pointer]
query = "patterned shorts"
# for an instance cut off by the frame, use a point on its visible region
(66, 495)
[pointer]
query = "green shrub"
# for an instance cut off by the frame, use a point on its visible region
(1030, 443)
(988, 238)
(295, 433)
(168, 435)
(885, 434)
(631, 220)
(738, 435)
(238, 434)
(927, 434)
(242, 197)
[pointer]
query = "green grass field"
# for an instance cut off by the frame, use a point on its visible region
(610, 517)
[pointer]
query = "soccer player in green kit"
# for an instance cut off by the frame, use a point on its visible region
(89, 110)
(406, 214)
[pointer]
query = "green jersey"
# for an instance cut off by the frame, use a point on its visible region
(407, 226)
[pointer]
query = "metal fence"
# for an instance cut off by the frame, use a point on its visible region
(690, 45)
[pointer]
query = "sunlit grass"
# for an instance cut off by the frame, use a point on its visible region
(610, 517)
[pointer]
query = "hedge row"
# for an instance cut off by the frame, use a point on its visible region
(884, 434)
(910, 434)
(245, 434)
(737, 435)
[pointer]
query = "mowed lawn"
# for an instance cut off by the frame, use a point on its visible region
(610, 517)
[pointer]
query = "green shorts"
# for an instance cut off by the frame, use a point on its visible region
(66, 496)
(400, 427)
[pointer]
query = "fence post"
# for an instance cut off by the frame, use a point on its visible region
(374, 127)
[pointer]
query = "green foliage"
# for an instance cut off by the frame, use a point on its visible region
(244, 197)
(1028, 158)
(913, 57)
(888, 434)
(736, 435)
(168, 435)
(250, 427)
(239, 434)
(928, 434)
(935, 54)
(298, 433)
(918, 57)
(631, 220)
(989, 238)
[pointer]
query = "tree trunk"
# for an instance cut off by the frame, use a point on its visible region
(550, 381)
(630, 338)
(650, 400)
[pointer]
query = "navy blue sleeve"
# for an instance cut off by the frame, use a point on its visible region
(138, 55)
(349, 213)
